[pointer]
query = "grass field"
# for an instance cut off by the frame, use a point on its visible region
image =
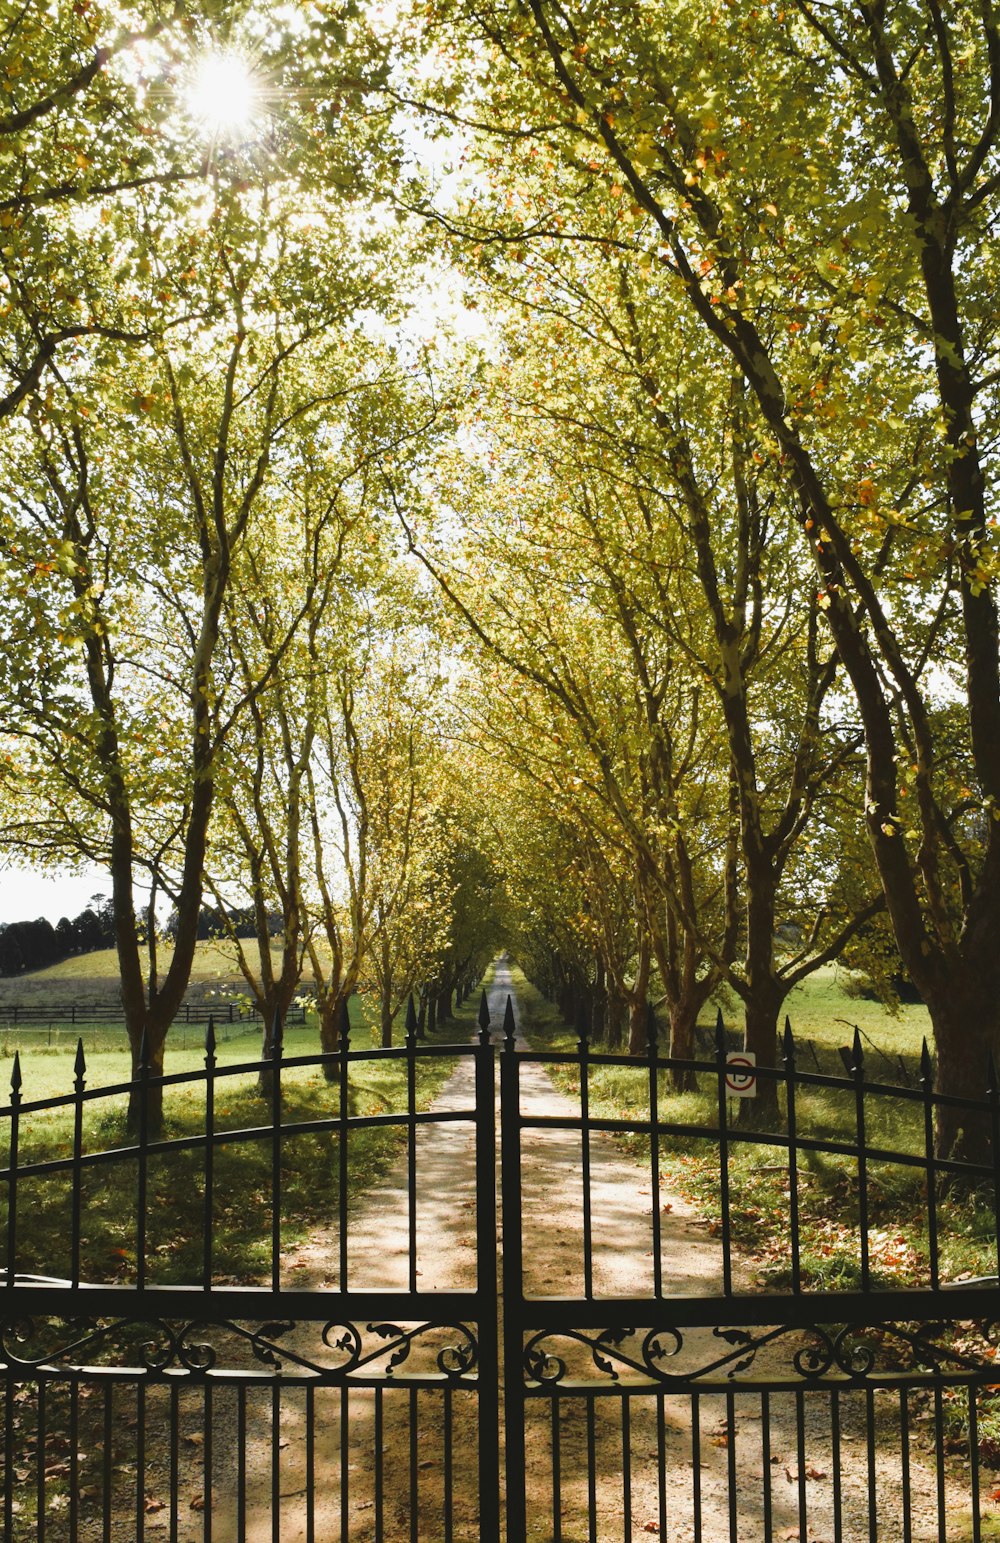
(243, 1170)
(828, 1187)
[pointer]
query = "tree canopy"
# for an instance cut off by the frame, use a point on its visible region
(594, 406)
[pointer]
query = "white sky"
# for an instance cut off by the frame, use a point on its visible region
(26, 894)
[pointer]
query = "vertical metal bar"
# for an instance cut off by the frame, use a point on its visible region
(556, 1480)
(15, 1125)
(838, 1499)
(927, 1087)
(107, 1468)
(344, 1048)
(513, 1288)
(76, 1199)
(870, 1451)
(858, 1074)
(411, 1155)
(939, 1462)
(904, 1453)
(40, 1456)
(788, 1051)
(765, 1455)
(276, 1135)
(142, 1159)
(488, 1380)
(583, 1052)
(734, 1499)
(74, 1459)
(800, 1458)
(661, 1463)
(591, 1469)
(977, 1530)
(727, 1242)
(654, 1149)
(696, 1459)
(276, 1462)
(241, 1462)
(379, 1471)
(175, 1459)
(209, 1197)
(310, 1464)
(345, 1466)
(993, 1092)
(414, 1459)
(140, 1461)
(208, 1463)
(626, 1471)
(447, 1498)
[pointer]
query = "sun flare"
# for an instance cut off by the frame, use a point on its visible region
(223, 96)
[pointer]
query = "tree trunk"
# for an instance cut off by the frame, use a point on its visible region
(966, 1023)
(683, 1019)
(147, 1114)
(598, 1003)
(444, 1005)
(385, 1012)
(761, 1010)
(328, 1009)
(431, 1015)
(638, 1034)
(616, 1019)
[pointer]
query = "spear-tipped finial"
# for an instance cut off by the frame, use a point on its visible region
(144, 1053)
(15, 1075)
(411, 1021)
(857, 1053)
(344, 1037)
(484, 1014)
(720, 1035)
(788, 1043)
(926, 1070)
(277, 1035)
(652, 1029)
(80, 1065)
(210, 1042)
(509, 1026)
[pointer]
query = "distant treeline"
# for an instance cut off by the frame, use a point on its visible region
(34, 945)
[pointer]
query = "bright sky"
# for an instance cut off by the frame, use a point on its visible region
(26, 895)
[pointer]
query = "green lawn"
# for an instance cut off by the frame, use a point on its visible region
(242, 1177)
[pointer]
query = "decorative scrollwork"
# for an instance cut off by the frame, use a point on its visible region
(153, 1347)
(670, 1357)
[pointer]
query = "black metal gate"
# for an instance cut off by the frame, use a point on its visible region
(741, 1414)
(145, 1400)
(250, 1409)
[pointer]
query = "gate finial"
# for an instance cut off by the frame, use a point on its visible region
(484, 1014)
(509, 1026)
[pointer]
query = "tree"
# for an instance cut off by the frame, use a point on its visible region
(130, 491)
(826, 247)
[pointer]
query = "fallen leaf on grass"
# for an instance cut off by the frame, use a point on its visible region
(152, 1504)
(196, 1439)
(651, 1527)
(198, 1503)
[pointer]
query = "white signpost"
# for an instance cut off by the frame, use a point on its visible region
(741, 1074)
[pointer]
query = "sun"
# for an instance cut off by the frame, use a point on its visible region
(223, 96)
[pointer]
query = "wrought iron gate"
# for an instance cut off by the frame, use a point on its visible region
(741, 1414)
(134, 1409)
(259, 1408)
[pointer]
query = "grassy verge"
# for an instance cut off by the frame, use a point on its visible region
(828, 1189)
(308, 1159)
